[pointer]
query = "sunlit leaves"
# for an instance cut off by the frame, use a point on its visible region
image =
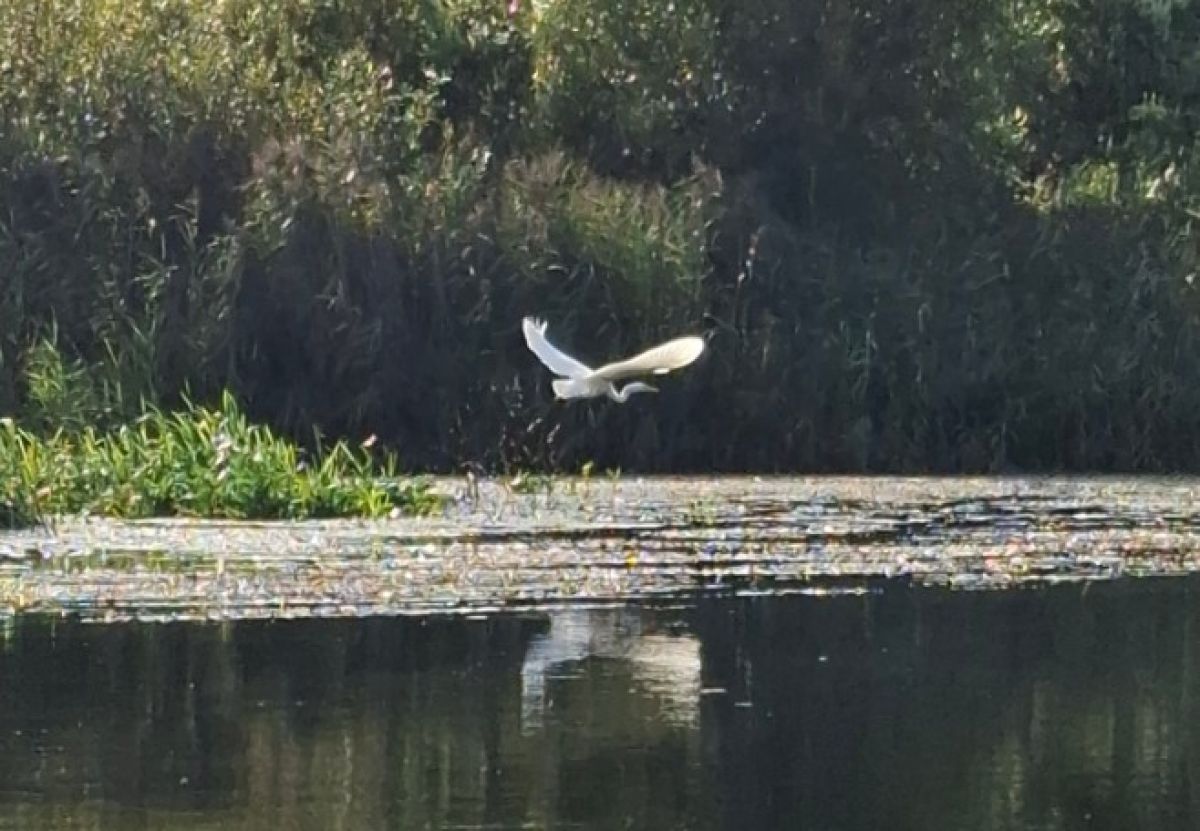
(197, 462)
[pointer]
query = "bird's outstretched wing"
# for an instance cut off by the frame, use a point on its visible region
(559, 362)
(658, 360)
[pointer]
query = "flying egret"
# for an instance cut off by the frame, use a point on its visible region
(581, 381)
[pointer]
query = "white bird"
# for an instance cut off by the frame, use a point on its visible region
(581, 381)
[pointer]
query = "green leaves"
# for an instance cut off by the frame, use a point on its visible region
(196, 462)
(931, 233)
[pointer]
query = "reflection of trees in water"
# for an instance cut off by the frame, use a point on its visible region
(903, 710)
(983, 711)
(399, 724)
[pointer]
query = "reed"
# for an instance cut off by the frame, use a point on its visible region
(921, 235)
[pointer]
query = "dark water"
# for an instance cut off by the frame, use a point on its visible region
(1044, 708)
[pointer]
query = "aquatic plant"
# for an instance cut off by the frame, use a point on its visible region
(196, 462)
(527, 482)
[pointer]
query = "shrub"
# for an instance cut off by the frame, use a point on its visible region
(920, 235)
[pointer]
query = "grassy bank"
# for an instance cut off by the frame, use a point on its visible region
(197, 462)
(923, 235)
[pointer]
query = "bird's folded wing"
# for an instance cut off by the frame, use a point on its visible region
(559, 362)
(658, 360)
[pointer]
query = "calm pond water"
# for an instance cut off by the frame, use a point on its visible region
(1046, 707)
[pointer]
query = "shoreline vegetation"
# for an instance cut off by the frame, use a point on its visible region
(195, 463)
(924, 236)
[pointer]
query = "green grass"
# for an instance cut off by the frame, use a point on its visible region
(198, 463)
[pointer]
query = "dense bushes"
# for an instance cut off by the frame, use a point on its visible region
(921, 235)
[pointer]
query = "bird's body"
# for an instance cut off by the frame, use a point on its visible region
(581, 381)
(594, 387)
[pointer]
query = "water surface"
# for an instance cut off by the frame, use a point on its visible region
(506, 545)
(1047, 707)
